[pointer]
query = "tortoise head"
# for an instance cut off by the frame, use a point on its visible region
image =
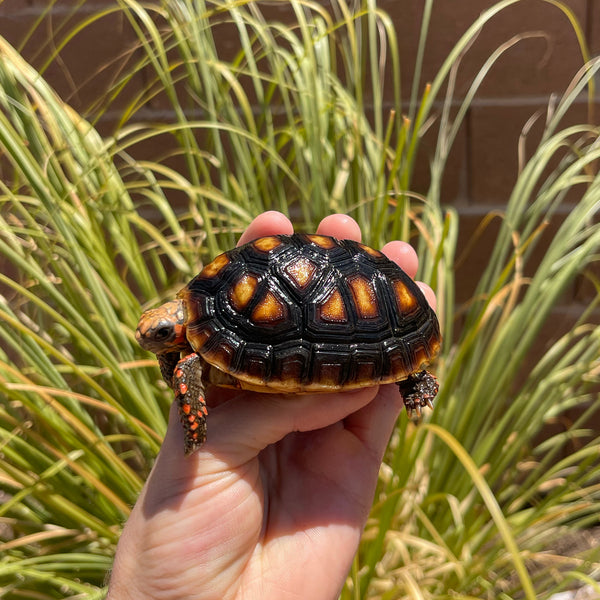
(162, 329)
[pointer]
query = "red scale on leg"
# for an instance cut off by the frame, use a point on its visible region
(189, 392)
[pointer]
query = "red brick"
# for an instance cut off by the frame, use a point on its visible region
(536, 65)
(454, 179)
(477, 238)
(524, 70)
(88, 64)
(227, 46)
(476, 241)
(494, 142)
(164, 150)
(494, 138)
(594, 26)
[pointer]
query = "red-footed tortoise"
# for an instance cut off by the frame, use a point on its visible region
(293, 314)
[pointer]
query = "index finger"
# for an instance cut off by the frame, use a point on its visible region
(268, 223)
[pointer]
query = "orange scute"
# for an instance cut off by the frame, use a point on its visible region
(243, 291)
(370, 251)
(214, 268)
(364, 297)
(266, 244)
(301, 271)
(406, 301)
(322, 241)
(333, 309)
(270, 309)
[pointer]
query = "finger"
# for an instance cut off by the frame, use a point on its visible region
(172, 473)
(173, 442)
(241, 428)
(341, 227)
(429, 294)
(403, 255)
(267, 223)
(373, 424)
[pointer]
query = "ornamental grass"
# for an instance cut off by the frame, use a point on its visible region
(482, 499)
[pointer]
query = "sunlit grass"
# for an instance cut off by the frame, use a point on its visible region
(472, 503)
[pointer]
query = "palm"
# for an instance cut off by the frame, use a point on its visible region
(304, 504)
(312, 510)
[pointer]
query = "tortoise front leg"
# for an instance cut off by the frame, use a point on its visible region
(167, 361)
(189, 393)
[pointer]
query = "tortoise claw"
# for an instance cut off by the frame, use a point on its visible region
(418, 391)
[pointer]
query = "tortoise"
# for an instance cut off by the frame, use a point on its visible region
(293, 313)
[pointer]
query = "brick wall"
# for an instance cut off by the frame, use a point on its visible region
(483, 166)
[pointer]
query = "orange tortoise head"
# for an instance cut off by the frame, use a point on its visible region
(293, 314)
(162, 329)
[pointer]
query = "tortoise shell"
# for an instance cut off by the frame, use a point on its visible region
(294, 313)
(306, 313)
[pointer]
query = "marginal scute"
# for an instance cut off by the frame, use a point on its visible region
(242, 291)
(371, 251)
(270, 309)
(301, 270)
(200, 335)
(333, 308)
(364, 296)
(434, 347)
(221, 355)
(398, 358)
(329, 373)
(365, 372)
(422, 356)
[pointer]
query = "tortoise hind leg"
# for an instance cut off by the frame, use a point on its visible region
(418, 390)
(189, 393)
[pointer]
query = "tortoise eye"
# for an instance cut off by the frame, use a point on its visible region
(163, 333)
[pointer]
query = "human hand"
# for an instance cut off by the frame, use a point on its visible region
(273, 505)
